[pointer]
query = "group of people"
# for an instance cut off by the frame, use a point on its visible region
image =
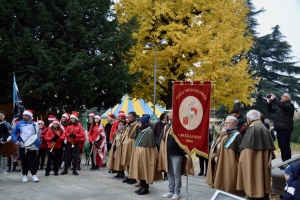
(239, 159)
(145, 153)
(62, 140)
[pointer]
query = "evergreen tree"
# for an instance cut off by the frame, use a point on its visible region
(271, 60)
(65, 52)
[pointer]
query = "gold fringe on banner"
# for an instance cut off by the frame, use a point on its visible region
(186, 149)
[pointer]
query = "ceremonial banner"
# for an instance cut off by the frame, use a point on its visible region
(191, 112)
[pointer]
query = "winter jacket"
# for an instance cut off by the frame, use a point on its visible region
(284, 113)
(93, 133)
(43, 144)
(77, 130)
(59, 141)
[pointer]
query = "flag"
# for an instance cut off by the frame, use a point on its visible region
(191, 109)
(84, 121)
(18, 107)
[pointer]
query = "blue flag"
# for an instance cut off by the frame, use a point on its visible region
(17, 102)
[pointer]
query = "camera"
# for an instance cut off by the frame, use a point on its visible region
(268, 96)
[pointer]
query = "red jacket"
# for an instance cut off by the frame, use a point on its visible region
(93, 133)
(78, 131)
(50, 135)
(114, 128)
(43, 144)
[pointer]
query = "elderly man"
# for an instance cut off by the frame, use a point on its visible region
(254, 174)
(224, 157)
(283, 122)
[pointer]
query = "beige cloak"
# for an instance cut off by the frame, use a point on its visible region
(131, 131)
(114, 160)
(143, 162)
(223, 174)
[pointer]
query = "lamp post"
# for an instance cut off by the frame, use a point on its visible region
(149, 46)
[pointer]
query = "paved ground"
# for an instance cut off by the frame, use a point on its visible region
(90, 185)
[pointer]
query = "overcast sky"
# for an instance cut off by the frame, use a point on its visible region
(286, 14)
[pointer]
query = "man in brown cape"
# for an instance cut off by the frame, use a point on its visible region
(224, 157)
(144, 157)
(254, 168)
(131, 132)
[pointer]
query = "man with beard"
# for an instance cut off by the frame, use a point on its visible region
(224, 157)
(131, 132)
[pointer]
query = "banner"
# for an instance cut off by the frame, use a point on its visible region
(191, 112)
(18, 107)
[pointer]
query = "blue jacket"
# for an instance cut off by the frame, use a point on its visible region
(292, 191)
(23, 126)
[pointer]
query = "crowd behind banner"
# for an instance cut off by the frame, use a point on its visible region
(129, 144)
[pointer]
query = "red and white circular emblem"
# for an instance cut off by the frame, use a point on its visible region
(190, 113)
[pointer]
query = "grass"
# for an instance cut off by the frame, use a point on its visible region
(295, 147)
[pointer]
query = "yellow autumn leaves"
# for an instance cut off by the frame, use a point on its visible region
(207, 40)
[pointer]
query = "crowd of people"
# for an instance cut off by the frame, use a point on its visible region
(129, 144)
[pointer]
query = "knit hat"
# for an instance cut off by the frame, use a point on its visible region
(121, 113)
(288, 170)
(29, 113)
(41, 122)
(74, 115)
(91, 114)
(111, 116)
(51, 117)
(241, 122)
(145, 119)
(97, 117)
(66, 115)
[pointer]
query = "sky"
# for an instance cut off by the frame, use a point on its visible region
(284, 13)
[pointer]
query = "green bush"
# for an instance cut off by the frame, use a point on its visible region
(295, 137)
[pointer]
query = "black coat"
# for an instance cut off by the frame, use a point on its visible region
(4, 134)
(284, 113)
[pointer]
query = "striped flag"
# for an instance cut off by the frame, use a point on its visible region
(18, 107)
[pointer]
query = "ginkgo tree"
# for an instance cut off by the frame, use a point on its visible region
(207, 41)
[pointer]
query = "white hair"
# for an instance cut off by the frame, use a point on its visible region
(253, 115)
(288, 95)
(232, 119)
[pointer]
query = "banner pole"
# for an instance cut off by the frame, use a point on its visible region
(187, 179)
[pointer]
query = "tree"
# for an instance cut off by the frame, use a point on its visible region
(65, 52)
(271, 60)
(207, 41)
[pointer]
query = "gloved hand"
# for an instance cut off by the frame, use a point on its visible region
(56, 136)
(72, 135)
(53, 139)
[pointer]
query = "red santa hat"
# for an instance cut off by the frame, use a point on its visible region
(41, 122)
(51, 117)
(29, 113)
(66, 115)
(74, 115)
(92, 114)
(122, 113)
(56, 122)
(97, 117)
(111, 116)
